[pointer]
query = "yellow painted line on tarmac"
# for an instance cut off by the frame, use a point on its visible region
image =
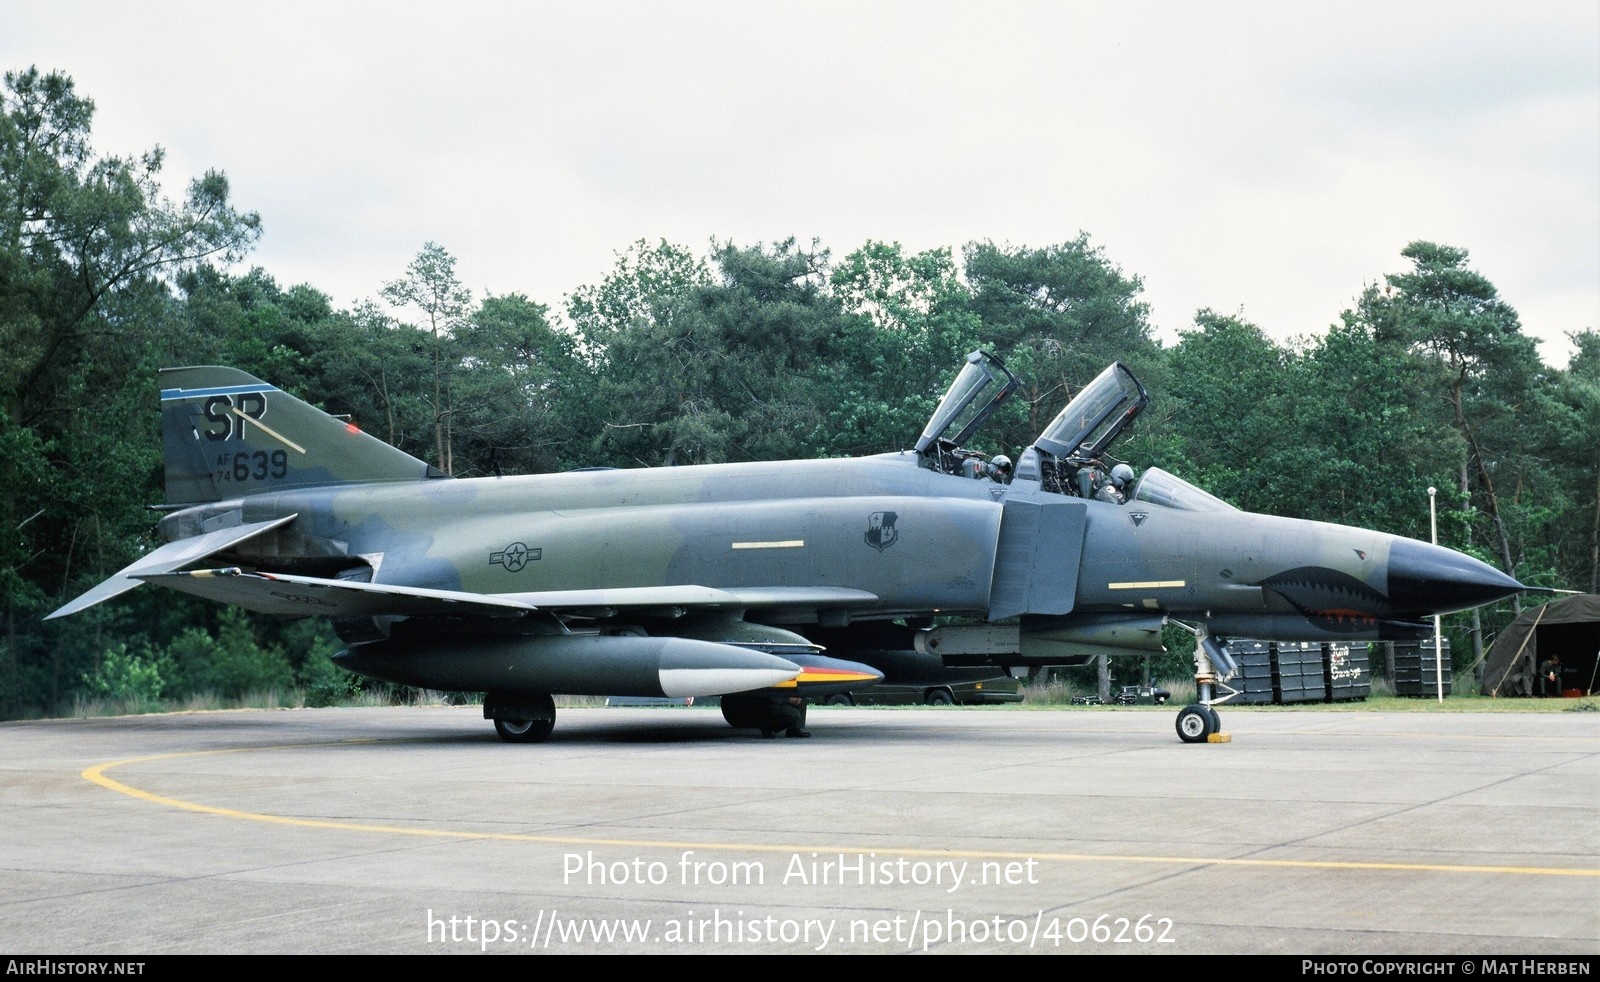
(97, 775)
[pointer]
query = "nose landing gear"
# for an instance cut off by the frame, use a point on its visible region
(1199, 723)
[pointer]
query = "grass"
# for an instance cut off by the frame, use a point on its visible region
(1043, 696)
(1059, 695)
(85, 706)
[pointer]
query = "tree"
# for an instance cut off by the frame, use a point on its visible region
(73, 233)
(772, 325)
(1234, 391)
(1375, 436)
(700, 368)
(430, 285)
(1485, 365)
(636, 329)
(906, 323)
(646, 290)
(1057, 316)
(88, 250)
(1575, 458)
(521, 386)
(1475, 358)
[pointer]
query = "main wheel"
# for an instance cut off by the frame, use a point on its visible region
(524, 730)
(840, 699)
(1195, 723)
(940, 697)
(743, 711)
(521, 717)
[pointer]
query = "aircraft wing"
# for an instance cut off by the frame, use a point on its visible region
(167, 558)
(281, 593)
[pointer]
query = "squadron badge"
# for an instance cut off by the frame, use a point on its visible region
(881, 533)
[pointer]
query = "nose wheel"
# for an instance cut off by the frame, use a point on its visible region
(1197, 723)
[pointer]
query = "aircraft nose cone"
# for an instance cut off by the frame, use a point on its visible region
(1427, 579)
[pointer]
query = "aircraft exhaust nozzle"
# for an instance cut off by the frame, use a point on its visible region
(1426, 579)
(584, 665)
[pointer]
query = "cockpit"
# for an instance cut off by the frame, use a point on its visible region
(1071, 456)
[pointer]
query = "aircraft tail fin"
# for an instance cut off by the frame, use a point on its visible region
(226, 433)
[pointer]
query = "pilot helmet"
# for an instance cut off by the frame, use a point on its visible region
(1001, 463)
(1121, 476)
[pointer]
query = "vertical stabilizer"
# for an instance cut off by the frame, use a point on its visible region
(225, 433)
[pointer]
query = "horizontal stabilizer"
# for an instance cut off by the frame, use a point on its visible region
(167, 558)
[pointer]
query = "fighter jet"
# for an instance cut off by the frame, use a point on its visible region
(735, 579)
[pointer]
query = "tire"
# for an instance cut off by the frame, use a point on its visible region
(524, 730)
(939, 697)
(1195, 724)
(839, 699)
(521, 717)
(1216, 720)
(744, 712)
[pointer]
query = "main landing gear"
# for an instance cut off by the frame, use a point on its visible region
(521, 717)
(1200, 723)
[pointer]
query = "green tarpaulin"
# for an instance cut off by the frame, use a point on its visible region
(1569, 627)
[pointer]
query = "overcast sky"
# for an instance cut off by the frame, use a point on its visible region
(1269, 159)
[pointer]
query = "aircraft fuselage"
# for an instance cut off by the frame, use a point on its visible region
(918, 541)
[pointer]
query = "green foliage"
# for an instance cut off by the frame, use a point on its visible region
(232, 663)
(1378, 440)
(1452, 318)
(430, 285)
(326, 684)
(132, 678)
(905, 321)
(1235, 390)
(711, 368)
(521, 391)
(1057, 316)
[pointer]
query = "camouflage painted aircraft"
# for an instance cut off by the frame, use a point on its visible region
(730, 579)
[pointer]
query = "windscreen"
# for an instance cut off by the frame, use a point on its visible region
(1157, 487)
